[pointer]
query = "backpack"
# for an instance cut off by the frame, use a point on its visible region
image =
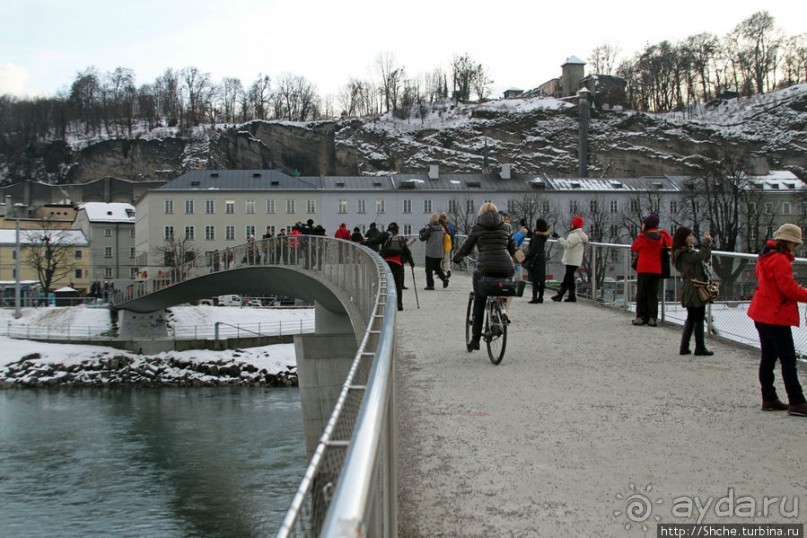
(446, 242)
(393, 246)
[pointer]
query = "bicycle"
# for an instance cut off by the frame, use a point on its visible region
(494, 327)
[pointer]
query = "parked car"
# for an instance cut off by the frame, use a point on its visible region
(230, 300)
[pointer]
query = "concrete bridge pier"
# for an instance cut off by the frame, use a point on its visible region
(142, 325)
(323, 362)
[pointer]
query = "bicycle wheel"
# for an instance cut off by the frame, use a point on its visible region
(495, 331)
(469, 322)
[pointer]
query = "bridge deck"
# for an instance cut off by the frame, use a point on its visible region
(584, 411)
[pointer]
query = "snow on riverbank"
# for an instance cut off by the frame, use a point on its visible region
(274, 358)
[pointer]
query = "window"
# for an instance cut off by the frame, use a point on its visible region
(469, 207)
(189, 207)
(511, 206)
(133, 273)
(270, 206)
(107, 232)
(107, 272)
(131, 232)
(310, 206)
(612, 231)
(592, 206)
(407, 206)
(210, 233)
(78, 273)
(190, 232)
(634, 207)
(574, 207)
(452, 207)
(673, 207)
(107, 252)
(407, 229)
(229, 207)
(169, 207)
(168, 233)
(614, 206)
(229, 233)
(545, 206)
(361, 206)
(290, 206)
(427, 206)
(768, 207)
(132, 253)
(77, 254)
(379, 206)
(804, 208)
(342, 206)
(249, 231)
(785, 208)
(249, 207)
(210, 207)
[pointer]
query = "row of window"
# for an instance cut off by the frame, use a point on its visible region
(361, 207)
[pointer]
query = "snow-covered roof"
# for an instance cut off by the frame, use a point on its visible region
(74, 238)
(573, 60)
(108, 212)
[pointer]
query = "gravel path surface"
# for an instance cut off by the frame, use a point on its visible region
(589, 427)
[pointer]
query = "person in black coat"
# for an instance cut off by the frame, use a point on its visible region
(495, 250)
(535, 260)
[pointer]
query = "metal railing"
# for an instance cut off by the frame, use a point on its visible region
(607, 278)
(89, 333)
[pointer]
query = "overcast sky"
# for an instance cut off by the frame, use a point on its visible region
(522, 43)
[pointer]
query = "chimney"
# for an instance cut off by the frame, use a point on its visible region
(434, 171)
(582, 156)
(505, 171)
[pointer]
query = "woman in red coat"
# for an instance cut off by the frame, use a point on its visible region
(648, 245)
(774, 309)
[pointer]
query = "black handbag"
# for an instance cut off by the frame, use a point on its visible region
(503, 287)
(665, 262)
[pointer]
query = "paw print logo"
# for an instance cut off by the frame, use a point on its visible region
(638, 508)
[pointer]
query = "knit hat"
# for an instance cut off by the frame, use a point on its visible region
(577, 222)
(651, 221)
(788, 232)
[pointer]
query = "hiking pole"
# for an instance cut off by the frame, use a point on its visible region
(415, 286)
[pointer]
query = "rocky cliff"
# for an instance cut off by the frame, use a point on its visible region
(534, 135)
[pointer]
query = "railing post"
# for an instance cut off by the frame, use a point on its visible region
(216, 331)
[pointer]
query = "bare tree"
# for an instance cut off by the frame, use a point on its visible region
(392, 76)
(760, 48)
(175, 252)
(603, 58)
(260, 95)
(50, 253)
(231, 90)
(197, 85)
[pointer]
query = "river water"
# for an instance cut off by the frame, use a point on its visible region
(199, 462)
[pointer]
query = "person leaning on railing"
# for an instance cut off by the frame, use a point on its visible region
(774, 309)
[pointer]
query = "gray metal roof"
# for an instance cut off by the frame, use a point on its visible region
(267, 180)
(240, 180)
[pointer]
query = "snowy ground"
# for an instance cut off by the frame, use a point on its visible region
(274, 358)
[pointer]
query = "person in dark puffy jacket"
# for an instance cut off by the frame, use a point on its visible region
(535, 260)
(495, 250)
(774, 309)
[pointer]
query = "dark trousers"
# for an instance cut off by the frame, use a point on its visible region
(696, 317)
(478, 312)
(647, 296)
(568, 283)
(397, 271)
(538, 278)
(433, 266)
(776, 341)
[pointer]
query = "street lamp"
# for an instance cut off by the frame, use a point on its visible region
(17, 298)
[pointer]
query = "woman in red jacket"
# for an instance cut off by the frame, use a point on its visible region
(648, 245)
(775, 310)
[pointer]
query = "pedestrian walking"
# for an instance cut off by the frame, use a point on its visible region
(433, 234)
(573, 249)
(395, 251)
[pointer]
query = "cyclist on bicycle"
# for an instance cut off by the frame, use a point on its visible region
(491, 236)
